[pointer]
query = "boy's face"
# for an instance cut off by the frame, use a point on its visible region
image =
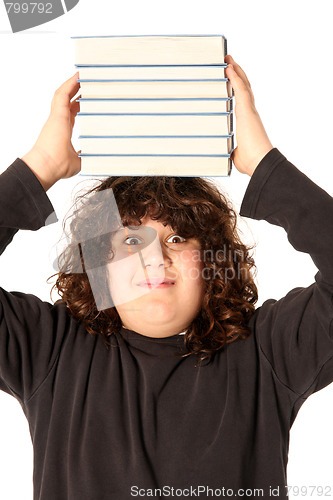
(155, 279)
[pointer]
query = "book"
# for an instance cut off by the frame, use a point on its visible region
(155, 124)
(193, 72)
(136, 145)
(171, 165)
(155, 88)
(156, 105)
(150, 50)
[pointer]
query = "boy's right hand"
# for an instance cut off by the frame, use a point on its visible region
(252, 140)
(53, 156)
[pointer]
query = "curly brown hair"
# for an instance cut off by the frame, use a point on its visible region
(195, 208)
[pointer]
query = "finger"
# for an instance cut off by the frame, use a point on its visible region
(75, 107)
(77, 153)
(75, 162)
(78, 97)
(236, 81)
(68, 89)
(229, 60)
(234, 155)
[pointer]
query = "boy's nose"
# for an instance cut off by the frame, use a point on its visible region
(156, 255)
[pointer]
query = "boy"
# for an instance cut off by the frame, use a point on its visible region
(136, 420)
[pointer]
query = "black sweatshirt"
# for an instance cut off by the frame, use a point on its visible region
(135, 420)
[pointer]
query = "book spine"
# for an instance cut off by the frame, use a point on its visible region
(232, 142)
(229, 166)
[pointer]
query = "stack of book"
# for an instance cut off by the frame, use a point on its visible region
(154, 105)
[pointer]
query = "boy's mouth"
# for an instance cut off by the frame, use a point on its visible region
(156, 282)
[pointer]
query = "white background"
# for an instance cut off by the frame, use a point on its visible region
(286, 50)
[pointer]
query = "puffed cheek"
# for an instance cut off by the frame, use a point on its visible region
(190, 256)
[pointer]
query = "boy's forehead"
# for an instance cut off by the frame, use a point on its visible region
(147, 221)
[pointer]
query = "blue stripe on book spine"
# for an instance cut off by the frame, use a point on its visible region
(138, 36)
(155, 136)
(182, 155)
(157, 80)
(155, 114)
(221, 65)
(154, 99)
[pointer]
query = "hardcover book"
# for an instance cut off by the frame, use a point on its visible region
(149, 50)
(154, 88)
(156, 105)
(166, 72)
(155, 124)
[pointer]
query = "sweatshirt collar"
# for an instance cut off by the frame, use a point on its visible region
(172, 339)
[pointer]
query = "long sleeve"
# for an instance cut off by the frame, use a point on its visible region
(30, 329)
(23, 203)
(295, 333)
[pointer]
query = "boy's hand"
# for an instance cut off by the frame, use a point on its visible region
(53, 156)
(252, 141)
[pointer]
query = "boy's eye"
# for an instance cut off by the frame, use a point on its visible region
(133, 240)
(176, 237)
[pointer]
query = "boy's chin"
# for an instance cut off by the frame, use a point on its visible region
(136, 298)
(137, 316)
(157, 316)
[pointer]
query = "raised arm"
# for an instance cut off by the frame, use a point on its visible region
(31, 331)
(294, 333)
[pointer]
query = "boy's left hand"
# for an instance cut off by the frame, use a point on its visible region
(252, 140)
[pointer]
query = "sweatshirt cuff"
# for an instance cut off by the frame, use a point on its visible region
(29, 182)
(259, 178)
